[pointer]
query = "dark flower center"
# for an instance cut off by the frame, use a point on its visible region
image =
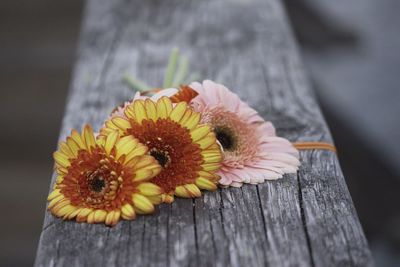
(161, 156)
(226, 138)
(97, 184)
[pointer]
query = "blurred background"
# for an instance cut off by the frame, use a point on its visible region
(351, 50)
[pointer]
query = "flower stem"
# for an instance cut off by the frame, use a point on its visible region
(171, 68)
(135, 83)
(182, 71)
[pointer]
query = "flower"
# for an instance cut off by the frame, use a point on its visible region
(103, 180)
(186, 150)
(252, 151)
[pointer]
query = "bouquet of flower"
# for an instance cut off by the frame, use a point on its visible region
(165, 143)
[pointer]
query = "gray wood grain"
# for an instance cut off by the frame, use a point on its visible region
(301, 220)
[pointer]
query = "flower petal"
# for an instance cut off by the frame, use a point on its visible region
(111, 139)
(128, 213)
(206, 184)
(88, 136)
(178, 111)
(142, 204)
(188, 191)
(149, 189)
(140, 111)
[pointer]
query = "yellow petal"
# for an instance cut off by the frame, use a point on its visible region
(109, 218)
(192, 121)
(61, 159)
(77, 138)
(206, 175)
(147, 172)
(62, 170)
(90, 217)
(110, 142)
(125, 145)
(73, 146)
(168, 198)
(129, 111)
(211, 166)
(109, 128)
(186, 117)
(56, 200)
(117, 215)
(58, 205)
(161, 110)
(64, 148)
(65, 210)
(206, 141)
(100, 216)
(167, 105)
(83, 214)
(200, 132)
(132, 162)
(212, 159)
(144, 161)
(121, 123)
(187, 191)
(151, 109)
(149, 189)
(59, 179)
(206, 184)
(55, 193)
(193, 190)
(142, 204)
(88, 136)
(157, 199)
(178, 111)
(156, 170)
(138, 151)
(143, 175)
(211, 153)
(140, 111)
(74, 213)
(128, 213)
(112, 217)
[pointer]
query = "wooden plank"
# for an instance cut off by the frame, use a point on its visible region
(306, 219)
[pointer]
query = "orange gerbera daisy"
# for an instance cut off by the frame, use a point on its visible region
(186, 150)
(103, 180)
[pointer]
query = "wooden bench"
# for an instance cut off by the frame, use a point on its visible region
(306, 219)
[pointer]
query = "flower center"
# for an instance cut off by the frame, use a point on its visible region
(172, 146)
(97, 184)
(226, 138)
(161, 156)
(95, 180)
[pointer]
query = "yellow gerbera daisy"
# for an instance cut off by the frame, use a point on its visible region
(187, 150)
(103, 180)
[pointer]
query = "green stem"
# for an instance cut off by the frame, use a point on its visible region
(170, 72)
(135, 83)
(182, 71)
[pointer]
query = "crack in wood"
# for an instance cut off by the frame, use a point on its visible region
(304, 221)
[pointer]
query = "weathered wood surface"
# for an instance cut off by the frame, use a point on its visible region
(301, 220)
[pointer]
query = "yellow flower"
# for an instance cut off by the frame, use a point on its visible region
(186, 150)
(103, 180)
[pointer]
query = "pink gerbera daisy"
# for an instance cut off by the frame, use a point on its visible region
(252, 151)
